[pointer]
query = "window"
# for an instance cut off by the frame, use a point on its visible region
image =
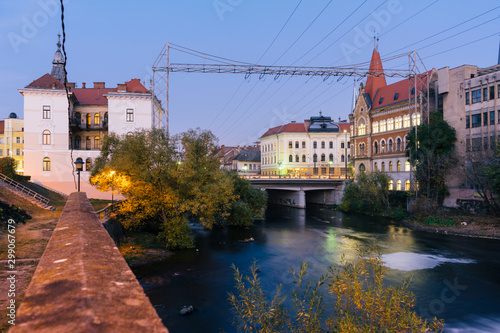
(485, 94)
(315, 158)
(416, 119)
(342, 158)
(323, 145)
(476, 120)
(390, 166)
(485, 118)
(361, 149)
(303, 144)
(406, 121)
(1, 140)
(407, 185)
(407, 166)
(492, 92)
(290, 158)
(348, 144)
(88, 164)
(396, 95)
(89, 120)
(303, 158)
(130, 116)
(296, 144)
(375, 166)
(362, 168)
(18, 139)
(391, 148)
(342, 144)
(97, 143)
(375, 127)
(97, 119)
(331, 144)
(398, 185)
(467, 98)
(398, 166)
(375, 148)
(330, 158)
(476, 96)
(492, 117)
(380, 100)
(383, 127)
(46, 164)
(315, 145)
(383, 167)
(46, 137)
(46, 112)
(362, 129)
(88, 143)
(391, 185)
(297, 158)
(323, 158)
(382, 147)
(467, 121)
(390, 124)
(399, 123)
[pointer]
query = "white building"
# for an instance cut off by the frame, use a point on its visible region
(57, 135)
(316, 147)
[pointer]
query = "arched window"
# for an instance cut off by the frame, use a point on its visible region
(315, 158)
(323, 144)
(89, 120)
(78, 118)
(375, 148)
(375, 127)
(382, 146)
(303, 158)
(375, 166)
(297, 158)
(407, 166)
(97, 119)
(348, 157)
(383, 127)
(303, 144)
(46, 164)
(398, 185)
(88, 142)
(407, 185)
(97, 143)
(78, 142)
(315, 145)
(290, 158)
(290, 144)
(390, 124)
(383, 167)
(105, 121)
(362, 167)
(390, 166)
(406, 121)
(323, 158)
(391, 144)
(391, 185)
(331, 144)
(330, 158)
(416, 119)
(88, 164)
(46, 137)
(399, 166)
(399, 123)
(297, 144)
(362, 129)
(361, 149)
(398, 144)
(342, 158)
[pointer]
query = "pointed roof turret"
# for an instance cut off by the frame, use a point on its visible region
(58, 63)
(376, 77)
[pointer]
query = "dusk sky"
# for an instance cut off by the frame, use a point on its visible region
(115, 41)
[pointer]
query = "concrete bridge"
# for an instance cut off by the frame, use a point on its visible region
(297, 192)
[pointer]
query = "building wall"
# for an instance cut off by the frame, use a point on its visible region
(12, 142)
(118, 103)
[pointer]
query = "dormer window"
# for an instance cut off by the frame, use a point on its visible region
(396, 95)
(380, 100)
(413, 91)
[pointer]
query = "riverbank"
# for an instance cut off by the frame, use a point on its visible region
(139, 248)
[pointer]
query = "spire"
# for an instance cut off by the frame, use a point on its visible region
(58, 63)
(376, 77)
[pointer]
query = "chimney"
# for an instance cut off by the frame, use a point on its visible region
(83, 85)
(122, 87)
(99, 85)
(71, 85)
(223, 148)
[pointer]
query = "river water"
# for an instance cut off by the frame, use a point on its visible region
(454, 278)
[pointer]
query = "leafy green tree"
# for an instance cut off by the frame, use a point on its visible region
(8, 167)
(363, 303)
(431, 149)
(367, 193)
(249, 205)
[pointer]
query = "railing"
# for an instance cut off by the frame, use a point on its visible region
(24, 189)
(295, 177)
(105, 212)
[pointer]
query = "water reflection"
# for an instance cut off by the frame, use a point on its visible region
(453, 278)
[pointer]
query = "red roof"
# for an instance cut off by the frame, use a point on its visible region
(95, 96)
(387, 95)
(376, 78)
(46, 81)
(300, 128)
(134, 85)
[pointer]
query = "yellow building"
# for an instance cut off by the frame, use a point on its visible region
(12, 140)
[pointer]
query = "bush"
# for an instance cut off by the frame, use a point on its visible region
(367, 194)
(399, 215)
(12, 212)
(436, 221)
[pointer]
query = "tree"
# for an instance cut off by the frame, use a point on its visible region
(368, 193)
(8, 167)
(430, 149)
(363, 303)
(167, 181)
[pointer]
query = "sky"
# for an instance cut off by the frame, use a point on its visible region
(115, 41)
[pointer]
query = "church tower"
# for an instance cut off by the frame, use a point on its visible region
(58, 63)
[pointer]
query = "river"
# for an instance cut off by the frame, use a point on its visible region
(454, 278)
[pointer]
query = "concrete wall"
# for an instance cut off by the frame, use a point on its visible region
(82, 283)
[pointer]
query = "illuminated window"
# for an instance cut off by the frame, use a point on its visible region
(383, 126)
(406, 121)
(290, 158)
(46, 137)
(407, 166)
(382, 146)
(407, 185)
(398, 185)
(130, 115)
(383, 167)
(416, 119)
(390, 124)
(362, 129)
(375, 127)
(46, 164)
(97, 119)
(89, 120)
(97, 143)
(88, 164)
(399, 123)
(390, 166)
(391, 185)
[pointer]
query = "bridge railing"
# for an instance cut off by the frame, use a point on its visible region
(295, 177)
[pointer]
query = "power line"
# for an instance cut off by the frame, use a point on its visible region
(409, 18)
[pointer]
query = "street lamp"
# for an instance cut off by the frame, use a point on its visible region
(112, 187)
(79, 167)
(345, 153)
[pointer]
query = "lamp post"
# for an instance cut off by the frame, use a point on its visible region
(345, 153)
(112, 188)
(79, 167)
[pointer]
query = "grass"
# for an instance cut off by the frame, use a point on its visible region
(99, 204)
